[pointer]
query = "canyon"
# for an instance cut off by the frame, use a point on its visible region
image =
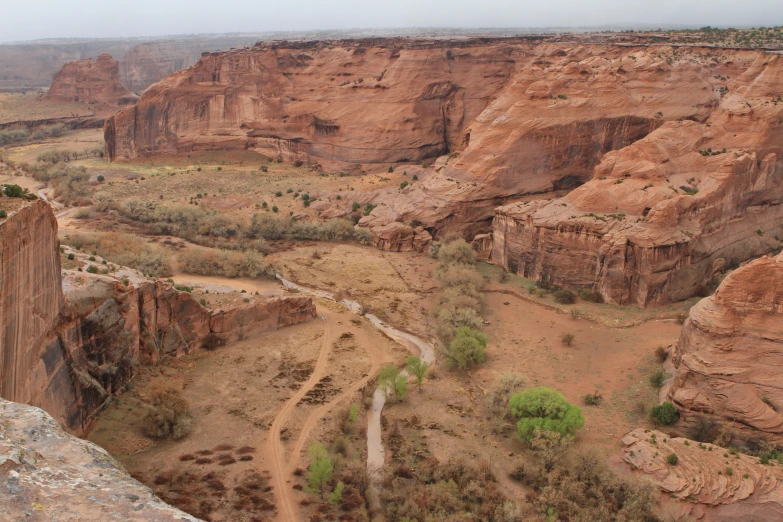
(70, 340)
(489, 127)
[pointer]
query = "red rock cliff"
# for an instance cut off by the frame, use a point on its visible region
(729, 357)
(69, 354)
(662, 215)
(90, 81)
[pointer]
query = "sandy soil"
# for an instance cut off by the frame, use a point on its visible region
(30, 106)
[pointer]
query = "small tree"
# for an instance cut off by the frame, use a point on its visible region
(417, 368)
(100, 178)
(336, 496)
(391, 378)
(320, 471)
(567, 339)
(467, 348)
(542, 408)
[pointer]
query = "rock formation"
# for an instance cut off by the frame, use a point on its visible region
(662, 215)
(47, 474)
(736, 487)
(69, 352)
(729, 358)
(90, 81)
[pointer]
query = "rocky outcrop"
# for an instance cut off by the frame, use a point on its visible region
(399, 237)
(735, 487)
(729, 357)
(47, 474)
(662, 215)
(90, 81)
(69, 353)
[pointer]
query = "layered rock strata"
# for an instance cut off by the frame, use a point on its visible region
(662, 215)
(734, 486)
(729, 358)
(47, 474)
(91, 81)
(69, 353)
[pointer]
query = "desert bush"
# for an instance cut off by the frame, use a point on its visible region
(202, 261)
(657, 378)
(661, 354)
(501, 392)
(467, 348)
(8, 137)
(49, 131)
(168, 412)
(664, 414)
(672, 459)
(542, 408)
(458, 251)
(126, 250)
(72, 186)
(567, 339)
(564, 296)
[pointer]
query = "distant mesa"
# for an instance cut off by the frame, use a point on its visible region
(91, 81)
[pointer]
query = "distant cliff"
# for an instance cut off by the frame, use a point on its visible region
(90, 81)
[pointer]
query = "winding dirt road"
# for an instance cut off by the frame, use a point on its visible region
(286, 509)
(282, 468)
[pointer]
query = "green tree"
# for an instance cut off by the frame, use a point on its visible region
(14, 191)
(417, 368)
(391, 378)
(458, 251)
(336, 496)
(542, 408)
(467, 348)
(320, 471)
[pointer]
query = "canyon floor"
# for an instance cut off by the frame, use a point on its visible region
(299, 382)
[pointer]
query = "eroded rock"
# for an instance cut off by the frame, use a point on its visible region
(91, 81)
(729, 358)
(47, 474)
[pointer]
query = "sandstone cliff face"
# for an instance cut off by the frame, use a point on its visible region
(662, 215)
(31, 296)
(729, 357)
(510, 117)
(47, 474)
(90, 81)
(68, 354)
(751, 492)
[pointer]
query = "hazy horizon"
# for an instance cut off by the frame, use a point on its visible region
(46, 19)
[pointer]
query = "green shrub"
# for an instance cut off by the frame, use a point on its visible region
(14, 191)
(458, 251)
(672, 459)
(100, 178)
(564, 296)
(664, 414)
(542, 408)
(657, 378)
(3, 214)
(93, 269)
(567, 339)
(467, 348)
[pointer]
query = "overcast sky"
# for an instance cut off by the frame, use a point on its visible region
(34, 19)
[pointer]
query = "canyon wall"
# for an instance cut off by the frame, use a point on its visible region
(69, 352)
(31, 296)
(510, 118)
(662, 216)
(729, 357)
(90, 81)
(47, 474)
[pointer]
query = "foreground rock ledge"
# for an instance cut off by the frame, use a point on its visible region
(47, 474)
(736, 487)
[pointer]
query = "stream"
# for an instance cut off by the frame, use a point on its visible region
(375, 451)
